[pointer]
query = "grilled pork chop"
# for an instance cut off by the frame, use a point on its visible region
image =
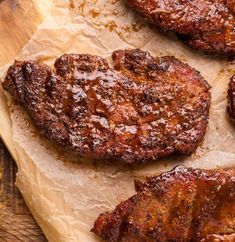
(231, 98)
(181, 205)
(143, 109)
(208, 25)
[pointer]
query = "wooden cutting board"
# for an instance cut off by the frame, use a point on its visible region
(16, 221)
(18, 21)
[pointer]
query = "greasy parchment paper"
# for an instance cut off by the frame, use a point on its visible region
(65, 193)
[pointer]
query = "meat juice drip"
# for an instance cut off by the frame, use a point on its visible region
(101, 15)
(71, 4)
(94, 12)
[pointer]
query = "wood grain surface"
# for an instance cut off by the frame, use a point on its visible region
(16, 222)
(18, 21)
(14, 33)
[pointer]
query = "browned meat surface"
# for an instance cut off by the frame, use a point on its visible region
(143, 109)
(231, 98)
(181, 205)
(208, 25)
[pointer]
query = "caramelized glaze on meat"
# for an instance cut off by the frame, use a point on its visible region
(143, 109)
(231, 98)
(208, 25)
(181, 205)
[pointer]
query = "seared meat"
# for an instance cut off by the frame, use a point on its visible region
(208, 25)
(231, 98)
(143, 109)
(181, 205)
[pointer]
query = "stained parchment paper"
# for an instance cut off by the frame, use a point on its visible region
(65, 193)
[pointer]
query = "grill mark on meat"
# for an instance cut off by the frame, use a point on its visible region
(143, 109)
(208, 25)
(185, 204)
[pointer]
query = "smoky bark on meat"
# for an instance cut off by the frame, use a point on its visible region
(208, 25)
(143, 109)
(186, 204)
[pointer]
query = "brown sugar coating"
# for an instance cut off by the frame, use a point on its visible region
(208, 25)
(143, 109)
(181, 205)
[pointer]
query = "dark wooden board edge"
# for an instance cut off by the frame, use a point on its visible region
(16, 221)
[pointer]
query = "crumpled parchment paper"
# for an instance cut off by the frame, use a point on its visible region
(65, 193)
